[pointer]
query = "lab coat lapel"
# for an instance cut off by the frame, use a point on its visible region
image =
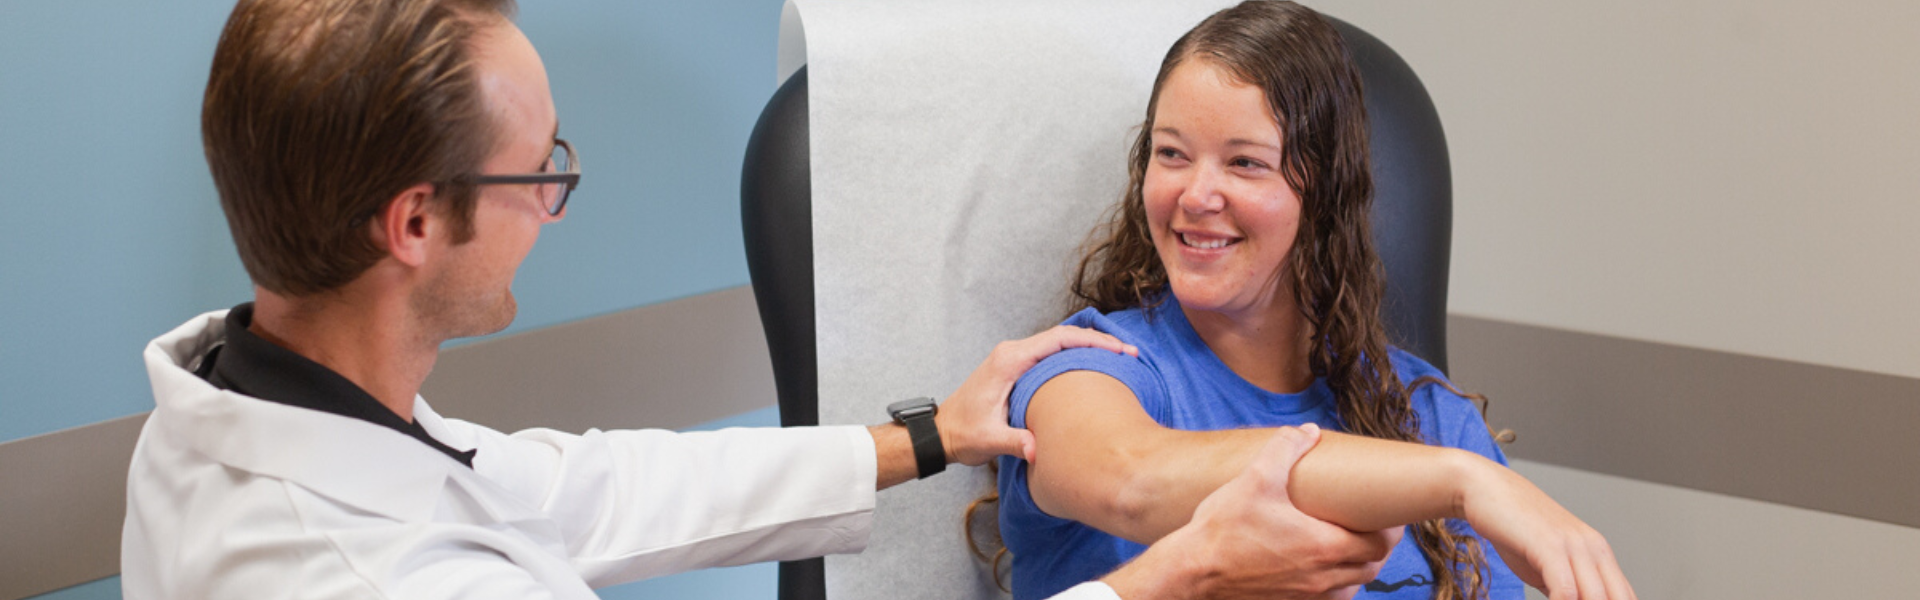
(499, 504)
(486, 499)
(351, 461)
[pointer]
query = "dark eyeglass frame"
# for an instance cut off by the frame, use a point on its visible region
(570, 176)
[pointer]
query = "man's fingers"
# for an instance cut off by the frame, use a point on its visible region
(1348, 575)
(1275, 460)
(1381, 543)
(1016, 442)
(1360, 548)
(1009, 359)
(1062, 337)
(995, 440)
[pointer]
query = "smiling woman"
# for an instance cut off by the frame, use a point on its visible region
(1240, 263)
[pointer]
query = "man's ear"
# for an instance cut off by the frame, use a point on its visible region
(407, 223)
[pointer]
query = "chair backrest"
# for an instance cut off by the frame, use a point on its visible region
(1412, 198)
(776, 214)
(1412, 223)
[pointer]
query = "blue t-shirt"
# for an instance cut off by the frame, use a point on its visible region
(1183, 385)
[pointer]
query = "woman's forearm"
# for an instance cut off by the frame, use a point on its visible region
(1356, 482)
(1368, 484)
(1102, 461)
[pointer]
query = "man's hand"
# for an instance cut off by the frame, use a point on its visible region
(1246, 540)
(973, 421)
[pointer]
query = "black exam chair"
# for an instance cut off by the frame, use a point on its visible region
(1412, 228)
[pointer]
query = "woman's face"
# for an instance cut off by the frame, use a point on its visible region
(1223, 218)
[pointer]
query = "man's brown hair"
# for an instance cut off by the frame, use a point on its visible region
(318, 112)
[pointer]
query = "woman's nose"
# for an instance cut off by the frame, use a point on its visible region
(1203, 192)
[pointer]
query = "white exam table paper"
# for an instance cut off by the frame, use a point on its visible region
(961, 152)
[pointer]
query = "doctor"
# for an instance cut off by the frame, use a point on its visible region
(384, 166)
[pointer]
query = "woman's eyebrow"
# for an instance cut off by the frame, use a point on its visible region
(1247, 142)
(1231, 142)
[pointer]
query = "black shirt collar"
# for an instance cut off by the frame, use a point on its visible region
(252, 366)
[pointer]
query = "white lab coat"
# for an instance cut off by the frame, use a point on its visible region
(234, 497)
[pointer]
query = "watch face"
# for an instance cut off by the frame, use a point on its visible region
(911, 412)
(907, 409)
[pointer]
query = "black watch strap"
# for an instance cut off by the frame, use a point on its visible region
(917, 415)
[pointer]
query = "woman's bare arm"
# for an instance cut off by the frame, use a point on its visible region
(1101, 460)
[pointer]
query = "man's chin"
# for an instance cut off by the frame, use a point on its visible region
(489, 321)
(501, 316)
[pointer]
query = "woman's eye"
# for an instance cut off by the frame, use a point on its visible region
(1165, 152)
(1248, 163)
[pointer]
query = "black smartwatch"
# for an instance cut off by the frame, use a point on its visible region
(917, 415)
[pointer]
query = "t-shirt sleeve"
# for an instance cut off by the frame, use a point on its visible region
(1470, 432)
(1131, 371)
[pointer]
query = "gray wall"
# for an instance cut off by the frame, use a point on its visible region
(1727, 186)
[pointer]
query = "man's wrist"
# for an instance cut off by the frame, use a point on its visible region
(946, 437)
(921, 417)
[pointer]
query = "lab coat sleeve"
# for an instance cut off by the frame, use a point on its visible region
(644, 503)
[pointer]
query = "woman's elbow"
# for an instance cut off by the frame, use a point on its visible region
(1140, 511)
(1129, 503)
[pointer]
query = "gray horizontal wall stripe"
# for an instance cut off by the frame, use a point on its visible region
(64, 497)
(668, 365)
(1823, 438)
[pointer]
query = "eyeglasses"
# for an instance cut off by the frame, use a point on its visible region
(555, 186)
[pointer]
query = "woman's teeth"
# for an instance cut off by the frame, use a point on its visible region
(1208, 243)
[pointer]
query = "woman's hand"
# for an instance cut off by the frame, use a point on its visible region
(973, 421)
(1545, 545)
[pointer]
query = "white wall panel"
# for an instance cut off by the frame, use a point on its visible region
(1679, 543)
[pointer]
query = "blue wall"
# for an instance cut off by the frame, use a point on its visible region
(111, 233)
